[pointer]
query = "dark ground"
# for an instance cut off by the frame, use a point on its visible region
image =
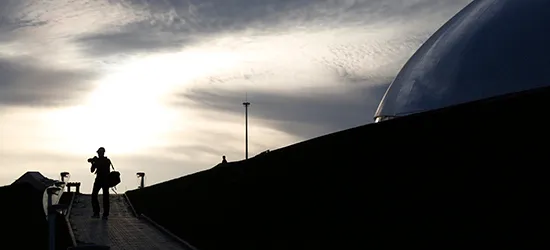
(474, 175)
(24, 224)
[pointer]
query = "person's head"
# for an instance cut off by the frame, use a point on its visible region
(101, 151)
(223, 157)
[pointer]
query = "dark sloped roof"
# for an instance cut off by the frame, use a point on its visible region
(459, 176)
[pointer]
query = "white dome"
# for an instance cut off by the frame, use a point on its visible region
(490, 48)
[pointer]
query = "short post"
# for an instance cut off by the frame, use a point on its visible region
(51, 216)
(64, 175)
(142, 181)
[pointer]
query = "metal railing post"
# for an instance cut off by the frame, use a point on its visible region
(51, 216)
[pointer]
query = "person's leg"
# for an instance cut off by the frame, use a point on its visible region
(95, 202)
(106, 205)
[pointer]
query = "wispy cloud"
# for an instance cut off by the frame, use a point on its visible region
(27, 83)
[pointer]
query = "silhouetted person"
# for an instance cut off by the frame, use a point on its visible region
(223, 159)
(101, 166)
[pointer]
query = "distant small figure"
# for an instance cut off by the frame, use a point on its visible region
(223, 159)
(101, 166)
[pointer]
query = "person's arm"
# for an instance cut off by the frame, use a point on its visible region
(111, 163)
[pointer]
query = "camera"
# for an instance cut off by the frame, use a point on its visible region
(92, 160)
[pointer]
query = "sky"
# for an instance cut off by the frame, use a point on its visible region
(160, 83)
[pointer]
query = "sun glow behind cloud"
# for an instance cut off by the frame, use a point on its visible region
(130, 111)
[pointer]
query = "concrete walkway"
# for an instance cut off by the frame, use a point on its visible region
(122, 231)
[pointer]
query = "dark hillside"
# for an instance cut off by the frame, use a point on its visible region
(472, 174)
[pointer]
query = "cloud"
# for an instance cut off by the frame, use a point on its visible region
(134, 38)
(359, 44)
(23, 82)
(217, 15)
(173, 24)
(303, 115)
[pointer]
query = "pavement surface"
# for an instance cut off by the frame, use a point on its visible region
(122, 231)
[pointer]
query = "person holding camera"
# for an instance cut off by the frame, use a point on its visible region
(101, 166)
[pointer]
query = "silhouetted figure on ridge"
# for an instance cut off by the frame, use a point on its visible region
(224, 160)
(101, 166)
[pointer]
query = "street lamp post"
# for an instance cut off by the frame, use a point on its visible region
(246, 104)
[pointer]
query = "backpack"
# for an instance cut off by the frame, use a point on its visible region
(113, 179)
